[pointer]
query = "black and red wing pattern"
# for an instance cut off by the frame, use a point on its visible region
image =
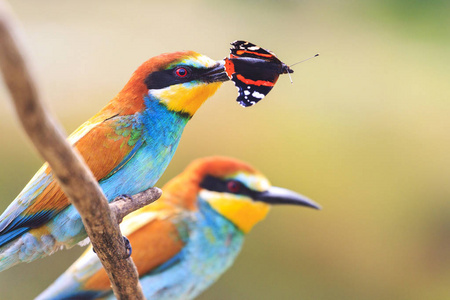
(253, 70)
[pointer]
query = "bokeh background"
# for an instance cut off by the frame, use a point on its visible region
(364, 130)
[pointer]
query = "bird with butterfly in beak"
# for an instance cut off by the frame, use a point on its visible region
(127, 146)
(183, 242)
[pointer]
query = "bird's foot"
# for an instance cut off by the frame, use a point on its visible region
(127, 243)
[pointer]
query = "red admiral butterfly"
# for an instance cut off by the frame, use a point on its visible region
(253, 70)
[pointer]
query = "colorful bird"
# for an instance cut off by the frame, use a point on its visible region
(184, 241)
(127, 145)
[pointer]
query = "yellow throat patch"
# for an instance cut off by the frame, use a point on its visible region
(186, 98)
(241, 211)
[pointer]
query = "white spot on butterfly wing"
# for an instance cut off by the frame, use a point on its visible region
(246, 92)
(257, 95)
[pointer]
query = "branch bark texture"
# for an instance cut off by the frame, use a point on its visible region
(122, 206)
(69, 168)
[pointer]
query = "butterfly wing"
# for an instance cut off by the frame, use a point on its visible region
(247, 49)
(253, 70)
(253, 77)
(249, 94)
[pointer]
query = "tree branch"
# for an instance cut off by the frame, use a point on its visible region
(68, 167)
(123, 205)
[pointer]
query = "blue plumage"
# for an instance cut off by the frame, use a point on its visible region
(187, 239)
(127, 146)
(213, 245)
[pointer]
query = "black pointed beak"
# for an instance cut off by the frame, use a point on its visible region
(276, 195)
(216, 73)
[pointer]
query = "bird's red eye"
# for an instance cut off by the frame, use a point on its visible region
(181, 72)
(233, 186)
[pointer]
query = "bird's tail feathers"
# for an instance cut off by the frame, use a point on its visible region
(9, 236)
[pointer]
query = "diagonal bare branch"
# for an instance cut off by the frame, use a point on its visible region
(74, 177)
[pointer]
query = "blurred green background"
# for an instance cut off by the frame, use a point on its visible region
(364, 130)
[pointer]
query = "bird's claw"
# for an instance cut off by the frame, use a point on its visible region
(122, 197)
(128, 247)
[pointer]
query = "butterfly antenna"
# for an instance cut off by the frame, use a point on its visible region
(304, 60)
(290, 78)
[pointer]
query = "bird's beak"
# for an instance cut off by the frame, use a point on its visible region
(276, 195)
(216, 73)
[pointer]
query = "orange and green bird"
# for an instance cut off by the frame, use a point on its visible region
(127, 145)
(183, 242)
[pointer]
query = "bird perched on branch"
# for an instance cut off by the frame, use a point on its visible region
(183, 242)
(127, 145)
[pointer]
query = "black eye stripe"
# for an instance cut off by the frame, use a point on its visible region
(165, 78)
(215, 184)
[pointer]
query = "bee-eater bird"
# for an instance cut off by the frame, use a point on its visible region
(127, 145)
(184, 241)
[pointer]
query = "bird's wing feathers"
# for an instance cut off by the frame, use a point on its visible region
(31, 191)
(156, 236)
(109, 143)
(154, 243)
(106, 147)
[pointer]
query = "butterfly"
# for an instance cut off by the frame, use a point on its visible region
(253, 70)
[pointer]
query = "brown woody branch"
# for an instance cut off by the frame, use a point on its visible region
(69, 168)
(123, 205)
